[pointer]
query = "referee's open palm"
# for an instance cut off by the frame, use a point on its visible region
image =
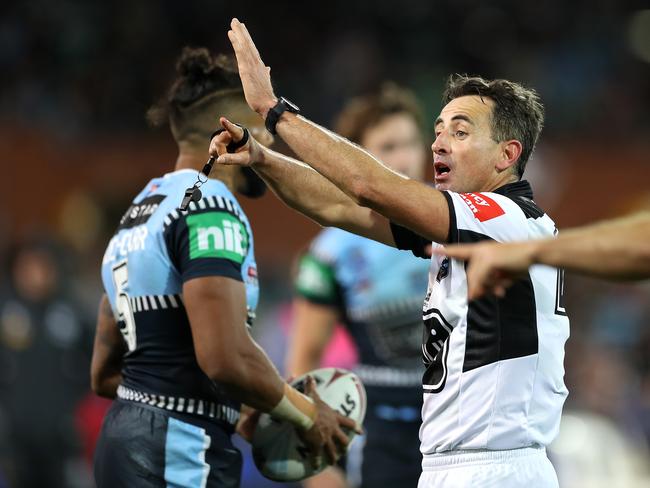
(255, 75)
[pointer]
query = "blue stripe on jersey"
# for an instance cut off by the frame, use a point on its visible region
(185, 447)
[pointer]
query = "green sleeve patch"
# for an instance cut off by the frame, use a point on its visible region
(316, 280)
(217, 235)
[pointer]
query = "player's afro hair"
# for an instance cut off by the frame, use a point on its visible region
(199, 74)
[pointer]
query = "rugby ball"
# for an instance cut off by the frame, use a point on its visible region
(279, 453)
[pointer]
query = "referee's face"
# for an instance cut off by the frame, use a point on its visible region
(464, 152)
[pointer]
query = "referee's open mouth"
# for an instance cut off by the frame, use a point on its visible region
(442, 171)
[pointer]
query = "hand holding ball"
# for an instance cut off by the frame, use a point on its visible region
(278, 448)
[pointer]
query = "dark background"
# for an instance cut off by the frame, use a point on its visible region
(78, 76)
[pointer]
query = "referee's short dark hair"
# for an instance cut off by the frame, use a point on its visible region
(518, 112)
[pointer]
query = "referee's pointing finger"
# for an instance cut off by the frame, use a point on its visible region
(235, 131)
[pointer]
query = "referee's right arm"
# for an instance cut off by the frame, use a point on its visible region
(302, 188)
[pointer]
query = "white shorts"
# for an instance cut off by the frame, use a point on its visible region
(518, 468)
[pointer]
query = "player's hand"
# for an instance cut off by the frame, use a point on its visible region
(246, 155)
(492, 267)
(248, 418)
(328, 431)
(255, 76)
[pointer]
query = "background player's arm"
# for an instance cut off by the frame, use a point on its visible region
(615, 249)
(357, 173)
(108, 350)
(313, 325)
(302, 188)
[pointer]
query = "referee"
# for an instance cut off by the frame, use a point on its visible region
(493, 389)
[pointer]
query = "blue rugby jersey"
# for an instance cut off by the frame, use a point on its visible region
(378, 290)
(155, 249)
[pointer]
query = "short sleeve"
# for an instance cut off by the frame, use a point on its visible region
(207, 243)
(408, 240)
(477, 217)
(316, 281)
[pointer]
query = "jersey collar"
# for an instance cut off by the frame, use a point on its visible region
(517, 189)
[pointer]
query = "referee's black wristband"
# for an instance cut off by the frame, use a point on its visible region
(233, 146)
(273, 115)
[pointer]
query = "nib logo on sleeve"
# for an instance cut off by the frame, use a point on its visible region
(217, 235)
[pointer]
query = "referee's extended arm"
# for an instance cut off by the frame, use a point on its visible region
(366, 181)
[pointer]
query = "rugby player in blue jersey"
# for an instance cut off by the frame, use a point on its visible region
(172, 341)
(376, 291)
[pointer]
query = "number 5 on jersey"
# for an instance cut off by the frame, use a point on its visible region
(123, 304)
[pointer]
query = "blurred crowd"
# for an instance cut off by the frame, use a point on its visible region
(77, 66)
(78, 71)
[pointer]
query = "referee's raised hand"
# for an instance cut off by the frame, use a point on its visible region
(255, 75)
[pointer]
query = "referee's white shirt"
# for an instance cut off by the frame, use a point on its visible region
(495, 374)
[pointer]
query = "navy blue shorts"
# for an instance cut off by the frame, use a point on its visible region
(388, 454)
(145, 446)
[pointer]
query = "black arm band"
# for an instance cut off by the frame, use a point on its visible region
(233, 146)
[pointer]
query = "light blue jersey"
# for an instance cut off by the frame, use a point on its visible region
(378, 290)
(155, 249)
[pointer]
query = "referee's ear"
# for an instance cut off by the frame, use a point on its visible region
(510, 153)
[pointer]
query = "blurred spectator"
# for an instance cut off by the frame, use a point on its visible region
(592, 452)
(44, 357)
(82, 66)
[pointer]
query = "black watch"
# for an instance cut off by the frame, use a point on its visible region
(274, 114)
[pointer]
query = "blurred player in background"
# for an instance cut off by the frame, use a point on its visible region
(44, 351)
(617, 249)
(182, 286)
(376, 291)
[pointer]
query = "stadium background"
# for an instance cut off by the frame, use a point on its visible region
(77, 77)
